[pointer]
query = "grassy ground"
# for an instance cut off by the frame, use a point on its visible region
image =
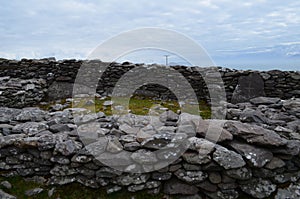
(71, 191)
(140, 106)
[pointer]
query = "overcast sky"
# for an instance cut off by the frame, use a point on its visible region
(259, 34)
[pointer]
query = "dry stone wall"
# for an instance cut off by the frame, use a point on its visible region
(255, 156)
(26, 82)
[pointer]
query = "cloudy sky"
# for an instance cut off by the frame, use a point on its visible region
(257, 34)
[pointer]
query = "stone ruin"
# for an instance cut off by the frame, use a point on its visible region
(256, 153)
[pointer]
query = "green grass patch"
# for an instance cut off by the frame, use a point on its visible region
(137, 105)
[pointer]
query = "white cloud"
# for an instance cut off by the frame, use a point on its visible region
(71, 28)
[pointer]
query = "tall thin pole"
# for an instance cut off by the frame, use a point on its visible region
(167, 63)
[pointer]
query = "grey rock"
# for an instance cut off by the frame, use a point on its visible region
(214, 177)
(213, 130)
(191, 197)
(108, 103)
(293, 191)
(113, 145)
(228, 159)
(121, 159)
(129, 179)
(62, 170)
(113, 189)
(68, 147)
(143, 156)
(51, 192)
(87, 181)
(135, 188)
(60, 90)
(258, 188)
(153, 184)
(107, 172)
(275, 163)
(292, 148)
(255, 134)
(240, 174)
(207, 186)
(248, 87)
(257, 156)
(34, 191)
(190, 130)
(59, 128)
(168, 116)
(5, 129)
(224, 194)
(161, 176)
(252, 116)
(264, 100)
(8, 114)
(191, 176)
(31, 114)
(4, 195)
(133, 146)
(174, 186)
(81, 158)
(30, 128)
(61, 180)
(6, 184)
(195, 158)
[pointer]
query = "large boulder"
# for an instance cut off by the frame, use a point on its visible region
(248, 87)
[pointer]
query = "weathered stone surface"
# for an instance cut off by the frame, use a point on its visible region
(168, 116)
(4, 195)
(59, 127)
(68, 147)
(255, 134)
(257, 156)
(258, 188)
(190, 176)
(30, 128)
(290, 192)
(213, 130)
(143, 156)
(6, 184)
(31, 114)
(264, 100)
(8, 114)
(175, 186)
(228, 159)
(240, 174)
(60, 90)
(33, 192)
(132, 179)
(253, 116)
(275, 163)
(248, 87)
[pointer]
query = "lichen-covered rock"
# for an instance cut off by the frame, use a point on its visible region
(143, 156)
(255, 134)
(240, 173)
(227, 158)
(191, 176)
(293, 191)
(257, 156)
(258, 188)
